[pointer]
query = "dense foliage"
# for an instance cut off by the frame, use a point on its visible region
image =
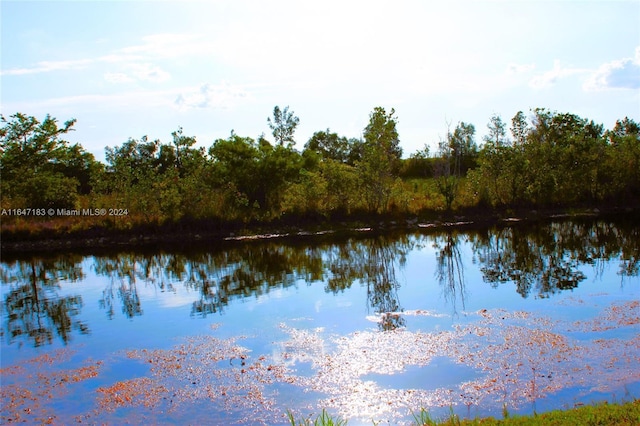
(550, 159)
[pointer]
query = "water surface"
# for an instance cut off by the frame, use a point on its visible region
(369, 327)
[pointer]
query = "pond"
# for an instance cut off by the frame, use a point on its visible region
(369, 327)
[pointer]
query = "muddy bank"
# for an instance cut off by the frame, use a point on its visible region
(203, 232)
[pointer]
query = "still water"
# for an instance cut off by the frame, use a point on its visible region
(368, 327)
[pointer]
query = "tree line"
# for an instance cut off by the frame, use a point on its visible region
(547, 159)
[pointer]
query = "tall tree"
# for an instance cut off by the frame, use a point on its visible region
(624, 160)
(457, 153)
(283, 125)
(497, 132)
(183, 151)
(447, 170)
(464, 147)
(519, 128)
(380, 158)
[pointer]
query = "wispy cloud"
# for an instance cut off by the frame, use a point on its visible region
(129, 99)
(149, 72)
(210, 96)
(514, 68)
(138, 58)
(117, 77)
(49, 66)
(551, 77)
(619, 74)
(169, 45)
(138, 72)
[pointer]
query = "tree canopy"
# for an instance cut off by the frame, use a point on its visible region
(544, 159)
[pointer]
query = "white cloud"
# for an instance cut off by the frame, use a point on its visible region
(131, 99)
(619, 74)
(114, 58)
(154, 47)
(169, 45)
(210, 96)
(552, 76)
(149, 72)
(117, 77)
(138, 72)
(48, 66)
(513, 68)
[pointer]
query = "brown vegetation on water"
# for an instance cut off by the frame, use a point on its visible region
(30, 387)
(517, 358)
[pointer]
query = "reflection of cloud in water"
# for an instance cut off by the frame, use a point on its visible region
(500, 357)
(276, 293)
(177, 300)
(519, 359)
(344, 303)
(380, 317)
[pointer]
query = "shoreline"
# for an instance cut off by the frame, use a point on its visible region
(144, 236)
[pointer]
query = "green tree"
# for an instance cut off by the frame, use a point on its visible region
(515, 160)
(623, 160)
(497, 133)
(236, 168)
(307, 196)
(456, 155)
(464, 147)
(447, 172)
(519, 128)
(342, 184)
(356, 150)
(81, 165)
(254, 174)
(492, 173)
(283, 126)
(38, 168)
(329, 146)
(563, 153)
(186, 157)
(160, 181)
(380, 159)
(279, 167)
(131, 164)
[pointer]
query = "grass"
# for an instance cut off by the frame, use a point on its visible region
(604, 414)
(323, 419)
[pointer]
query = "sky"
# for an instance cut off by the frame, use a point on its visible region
(126, 69)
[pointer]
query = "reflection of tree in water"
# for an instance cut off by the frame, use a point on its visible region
(35, 310)
(546, 258)
(533, 260)
(251, 270)
(256, 269)
(123, 272)
(373, 262)
(542, 259)
(217, 276)
(382, 285)
(450, 267)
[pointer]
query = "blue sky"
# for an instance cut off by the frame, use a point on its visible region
(132, 68)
